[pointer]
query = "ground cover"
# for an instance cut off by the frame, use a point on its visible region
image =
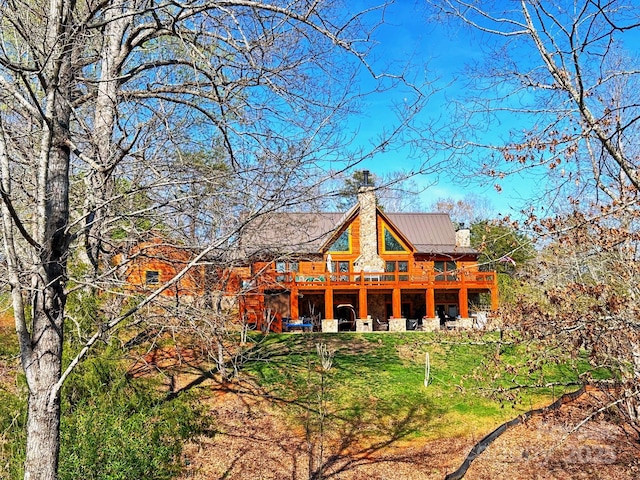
(370, 416)
(367, 416)
(474, 382)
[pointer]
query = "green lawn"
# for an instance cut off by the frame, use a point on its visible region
(376, 381)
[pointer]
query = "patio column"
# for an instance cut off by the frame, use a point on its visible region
(396, 303)
(329, 324)
(328, 303)
(293, 303)
(494, 292)
(431, 303)
(463, 300)
(362, 303)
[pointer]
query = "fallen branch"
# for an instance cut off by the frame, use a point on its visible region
(488, 439)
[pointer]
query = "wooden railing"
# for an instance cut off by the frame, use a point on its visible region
(372, 279)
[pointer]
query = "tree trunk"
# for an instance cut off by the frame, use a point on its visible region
(42, 358)
(100, 183)
(43, 432)
(42, 353)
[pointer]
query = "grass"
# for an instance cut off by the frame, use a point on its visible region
(476, 382)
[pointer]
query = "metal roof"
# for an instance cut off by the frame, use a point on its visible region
(289, 233)
(306, 233)
(428, 232)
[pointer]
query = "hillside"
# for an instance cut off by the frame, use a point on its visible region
(380, 422)
(256, 440)
(370, 416)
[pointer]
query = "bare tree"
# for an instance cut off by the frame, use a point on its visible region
(471, 209)
(105, 106)
(560, 85)
(556, 85)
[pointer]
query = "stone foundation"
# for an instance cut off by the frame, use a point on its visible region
(430, 324)
(364, 325)
(466, 323)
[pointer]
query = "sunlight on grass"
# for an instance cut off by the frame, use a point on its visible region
(476, 382)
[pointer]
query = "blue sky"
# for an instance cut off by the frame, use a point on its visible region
(438, 55)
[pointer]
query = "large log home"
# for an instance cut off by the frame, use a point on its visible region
(363, 270)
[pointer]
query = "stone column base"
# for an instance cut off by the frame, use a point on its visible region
(363, 325)
(430, 324)
(329, 325)
(465, 322)
(397, 324)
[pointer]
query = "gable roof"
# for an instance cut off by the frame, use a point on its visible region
(429, 232)
(294, 233)
(286, 233)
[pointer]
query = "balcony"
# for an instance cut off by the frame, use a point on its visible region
(378, 279)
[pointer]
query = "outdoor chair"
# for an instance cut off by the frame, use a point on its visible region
(382, 326)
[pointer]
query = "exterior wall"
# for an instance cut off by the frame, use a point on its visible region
(414, 294)
(307, 288)
(377, 305)
(279, 304)
(166, 261)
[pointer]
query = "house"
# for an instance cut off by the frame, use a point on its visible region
(362, 270)
(150, 264)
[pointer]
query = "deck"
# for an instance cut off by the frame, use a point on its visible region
(384, 280)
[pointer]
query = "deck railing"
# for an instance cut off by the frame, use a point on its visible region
(379, 279)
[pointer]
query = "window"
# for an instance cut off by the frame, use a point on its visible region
(393, 266)
(340, 266)
(445, 271)
(286, 267)
(391, 243)
(291, 266)
(342, 243)
(152, 277)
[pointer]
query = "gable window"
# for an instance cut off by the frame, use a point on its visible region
(342, 243)
(445, 271)
(391, 242)
(152, 277)
(396, 266)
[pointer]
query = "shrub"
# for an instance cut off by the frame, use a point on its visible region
(118, 428)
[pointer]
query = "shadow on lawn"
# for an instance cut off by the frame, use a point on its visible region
(303, 431)
(283, 438)
(361, 439)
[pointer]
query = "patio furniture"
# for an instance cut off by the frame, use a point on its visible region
(300, 324)
(381, 326)
(412, 324)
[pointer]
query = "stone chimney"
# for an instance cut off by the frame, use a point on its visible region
(463, 237)
(369, 260)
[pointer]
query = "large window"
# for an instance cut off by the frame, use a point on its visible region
(391, 243)
(445, 271)
(396, 266)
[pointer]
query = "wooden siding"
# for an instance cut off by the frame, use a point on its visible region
(167, 261)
